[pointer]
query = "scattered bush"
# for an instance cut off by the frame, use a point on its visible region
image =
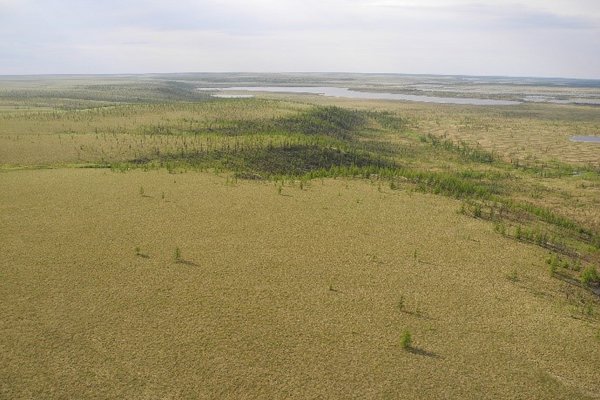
(406, 340)
(552, 268)
(500, 228)
(590, 275)
(401, 304)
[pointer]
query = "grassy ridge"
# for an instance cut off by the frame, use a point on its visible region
(332, 142)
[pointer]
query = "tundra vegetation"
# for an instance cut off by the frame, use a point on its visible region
(315, 230)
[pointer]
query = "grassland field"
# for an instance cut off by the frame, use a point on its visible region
(159, 243)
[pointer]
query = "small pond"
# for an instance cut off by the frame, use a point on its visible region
(586, 139)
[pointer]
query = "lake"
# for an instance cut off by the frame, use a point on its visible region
(331, 91)
(586, 139)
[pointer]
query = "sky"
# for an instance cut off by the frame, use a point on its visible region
(543, 38)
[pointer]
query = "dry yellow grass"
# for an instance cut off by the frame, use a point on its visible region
(277, 296)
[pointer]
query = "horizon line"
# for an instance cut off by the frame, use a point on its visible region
(299, 72)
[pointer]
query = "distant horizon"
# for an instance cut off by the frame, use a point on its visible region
(521, 38)
(304, 72)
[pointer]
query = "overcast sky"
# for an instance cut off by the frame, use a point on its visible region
(474, 37)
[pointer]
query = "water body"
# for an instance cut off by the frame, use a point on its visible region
(330, 91)
(586, 139)
(233, 96)
(577, 100)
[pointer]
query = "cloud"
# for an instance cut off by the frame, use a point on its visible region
(530, 37)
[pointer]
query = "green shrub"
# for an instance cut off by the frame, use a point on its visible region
(553, 260)
(552, 268)
(401, 303)
(500, 228)
(590, 275)
(406, 340)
